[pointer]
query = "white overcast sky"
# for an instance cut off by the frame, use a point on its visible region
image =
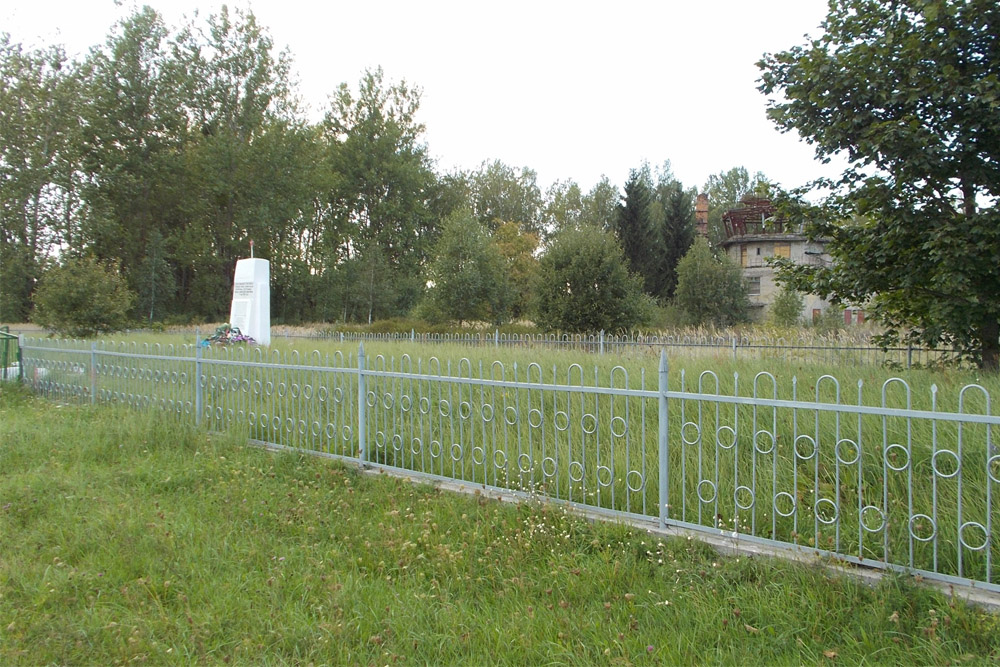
(572, 90)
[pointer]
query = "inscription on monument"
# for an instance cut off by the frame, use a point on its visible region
(242, 290)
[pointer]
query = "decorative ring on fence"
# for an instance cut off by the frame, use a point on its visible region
(826, 504)
(507, 415)
(294, 390)
(684, 433)
(143, 400)
(163, 403)
(316, 429)
(435, 449)
(993, 467)
(303, 427)
(524, 463)
(416, 446)
(745, 492)
(549, 467)
(157, 375)
(175, 377)
(222, 384)
(499, 459)
(134, 373)
(532, 414)
(131, 397)
(576, 471)
(203, 381)
(338, 394)
(257, 387)
(479, 456)
(289, 424)
(188, 407)
(602, 470)
(978, 526)
(561, 421)
(147, 374)
(178, 407)
(307, 392)
(444, 408)
(405, 403)
(592, 423)
(922, 518)
(869, 511)
(798, 453)
(461, 452)
(784, 496)
(183, 378)
(241, 415)
(711, 486)
(388, 401)
(218, 413)
(893, 449)
(269, 388)
(936, 466)
(234, 385)
(346, 432)
(252, 418)
(276, 424)
(464, 410)
(487, 416)
(213, 382)
(380, 439)
(842, 459)
(263, 420)
(424, 405)
(771, 442)
(282, 389)
(230, 414)
(330, 431)
(371, 399)
(397, 443)
(718, 440)
(637, 487)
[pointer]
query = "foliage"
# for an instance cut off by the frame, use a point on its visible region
(710, 289)
(520, 265)
(468, 274)
(584, 286)
(786, 310)
(83, 297)
(499, 193)
(909, 93)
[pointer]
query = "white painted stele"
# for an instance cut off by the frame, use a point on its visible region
(251, 310)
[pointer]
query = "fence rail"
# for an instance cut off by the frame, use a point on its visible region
(736, 347)
(895, 483)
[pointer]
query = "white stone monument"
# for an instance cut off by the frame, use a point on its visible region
(251, 310)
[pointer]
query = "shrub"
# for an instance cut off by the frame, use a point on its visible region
(82, 298)
(710, 290)
(787, 308)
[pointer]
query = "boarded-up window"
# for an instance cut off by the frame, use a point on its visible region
(783, 250)
(743, 255)
(753, 286)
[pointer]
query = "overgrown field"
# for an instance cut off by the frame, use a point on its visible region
(127, 537)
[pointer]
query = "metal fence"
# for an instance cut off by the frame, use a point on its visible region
(834, 351)
(886, 478)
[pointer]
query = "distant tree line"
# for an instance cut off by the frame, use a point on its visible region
(159, 157)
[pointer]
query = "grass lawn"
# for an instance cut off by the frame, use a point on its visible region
(130, 538)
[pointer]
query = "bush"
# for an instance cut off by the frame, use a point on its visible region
(83, 298)
(583, 285)
(710, 290)
(787, 308)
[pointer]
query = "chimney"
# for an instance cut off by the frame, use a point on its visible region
(701, 214)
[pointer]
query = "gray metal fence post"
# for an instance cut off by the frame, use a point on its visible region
(93, 372)
(496, 338)
(663, 444)
(197, 381)
(909, 355)
(734, 348)
(602, 342)
(362, 403)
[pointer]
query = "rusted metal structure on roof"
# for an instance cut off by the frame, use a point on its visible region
(754, 216)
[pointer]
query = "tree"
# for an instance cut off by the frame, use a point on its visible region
(380, 199)
(634, 225)
(517, 248)
(725, 190)
(909, 93)
(673, 222)
(469, 273)
(584, 285)
(787, 308)
(82, 298)
(500, 193)
(710, 289)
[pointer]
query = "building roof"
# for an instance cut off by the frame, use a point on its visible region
(755, 216)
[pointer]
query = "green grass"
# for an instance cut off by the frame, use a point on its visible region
(128, 537)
